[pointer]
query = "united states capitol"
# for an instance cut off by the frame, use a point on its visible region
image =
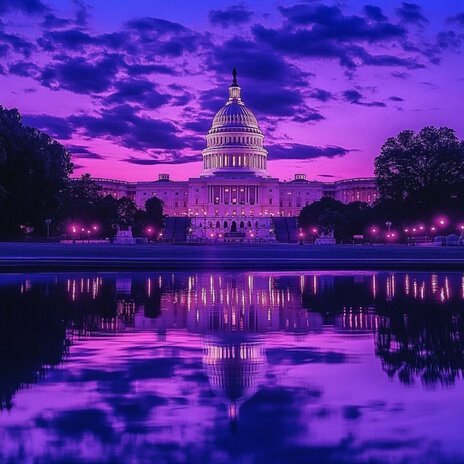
(235, 198)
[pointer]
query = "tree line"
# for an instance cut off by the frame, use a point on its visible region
(35, 186)
(420, 177)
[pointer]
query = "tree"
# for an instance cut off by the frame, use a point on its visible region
(423, 170)
(127, 211)
(309, 215)
(33, 173)
(331, 215)
(331, 221)
(154, 211)
(81, 199)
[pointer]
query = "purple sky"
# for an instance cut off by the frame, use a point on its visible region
(131, 89)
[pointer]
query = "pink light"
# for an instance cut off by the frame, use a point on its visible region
(212, 235)
(421, 227)
(95, 227)
(414, 229)
(82, 230)
(314, 230)
(433, 229)
(406, 230)
(461, 226)
(301, 234)
(374, 230)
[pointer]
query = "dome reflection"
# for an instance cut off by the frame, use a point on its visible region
(235, 367)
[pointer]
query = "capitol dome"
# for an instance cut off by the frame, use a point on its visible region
(234, 144)
(234, 114)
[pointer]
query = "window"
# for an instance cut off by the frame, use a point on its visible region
(218, 224)
(270, 201)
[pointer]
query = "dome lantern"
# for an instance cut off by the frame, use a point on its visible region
(235, 142)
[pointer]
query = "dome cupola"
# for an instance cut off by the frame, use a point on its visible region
(234, 144)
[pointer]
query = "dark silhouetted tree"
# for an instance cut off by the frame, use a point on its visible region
(425, 170)
(34, 170)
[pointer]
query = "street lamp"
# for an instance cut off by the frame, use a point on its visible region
(388, 224)
(48, 222)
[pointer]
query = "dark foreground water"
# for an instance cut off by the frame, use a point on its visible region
(336, 367)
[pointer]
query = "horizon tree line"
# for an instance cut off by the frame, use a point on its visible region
(419, 176)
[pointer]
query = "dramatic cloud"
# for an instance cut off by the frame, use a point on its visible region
(374, 13)
(301, 151)
(30, 7)
(322, 95)
(232, 16)
(80, 76)
(80, 151)
(411, 13)
(168, 158)
(150, 86)
(458, 19)
(142, 92)
(15, 43)
(354, 97)
(56, 127)
(24, 69)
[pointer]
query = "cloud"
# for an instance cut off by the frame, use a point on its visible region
(302, 152)
(15, 43)
(320, 94)
(232, 16)
(354, 97)
(142, 92)
(122, 125)
(56, 127)
(24, 69)
(137, 70)
(448, 39)
(329, 22)
(458, 19)
(81, 76)
(168, 158)
(29, 7)
(374, 12)
(411, 13)
(81, 151)
(52, 21)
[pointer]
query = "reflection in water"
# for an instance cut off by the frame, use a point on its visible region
(243, 324)
(235, 366)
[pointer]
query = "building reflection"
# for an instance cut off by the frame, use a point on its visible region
(415, 320)
(235, 366)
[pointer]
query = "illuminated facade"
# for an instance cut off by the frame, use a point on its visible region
(235, 196)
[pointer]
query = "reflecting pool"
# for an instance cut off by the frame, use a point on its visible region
(301, 367)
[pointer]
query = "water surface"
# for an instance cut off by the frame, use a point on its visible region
(333, 367)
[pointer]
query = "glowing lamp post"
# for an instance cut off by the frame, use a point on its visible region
(388, 224)
(48, 222)
(149, 232)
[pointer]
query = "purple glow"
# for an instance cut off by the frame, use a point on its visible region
(132, 93)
